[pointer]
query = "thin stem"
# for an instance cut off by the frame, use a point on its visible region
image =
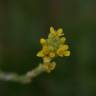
(26, 78)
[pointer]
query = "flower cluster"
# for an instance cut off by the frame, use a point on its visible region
(52, 47)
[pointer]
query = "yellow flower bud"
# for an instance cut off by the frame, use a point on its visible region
(52, 33)
(43, 41)
(60, 52)
(40, 54)
(67, 53)
(60, 32)
(49, 66)
(62, 40)
(52, 29)
(64, 47)
(45, 50)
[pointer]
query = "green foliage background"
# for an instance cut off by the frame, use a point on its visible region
(23, 22)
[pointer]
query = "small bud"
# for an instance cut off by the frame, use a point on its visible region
(60, 30)
(49, 66)
(62, 40)
(52, 29)
(67, 53)
(64, 47)
(40, 54)
(42, 41)
(60, 52)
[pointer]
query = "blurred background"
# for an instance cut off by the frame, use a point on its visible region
(24, 22)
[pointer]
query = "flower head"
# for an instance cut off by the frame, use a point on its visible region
(53, 46)
(63, 51)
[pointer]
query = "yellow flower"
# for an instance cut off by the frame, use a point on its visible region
(67, 53)
(62, 50)
(40, 54)
(43, 52)
(47, 51)
(60, 32)
(52, 47)
(52, 30)
(64, 46)
(49, 66)
(62, 40)
(57, 33)
(43, 41)
(52, 33)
